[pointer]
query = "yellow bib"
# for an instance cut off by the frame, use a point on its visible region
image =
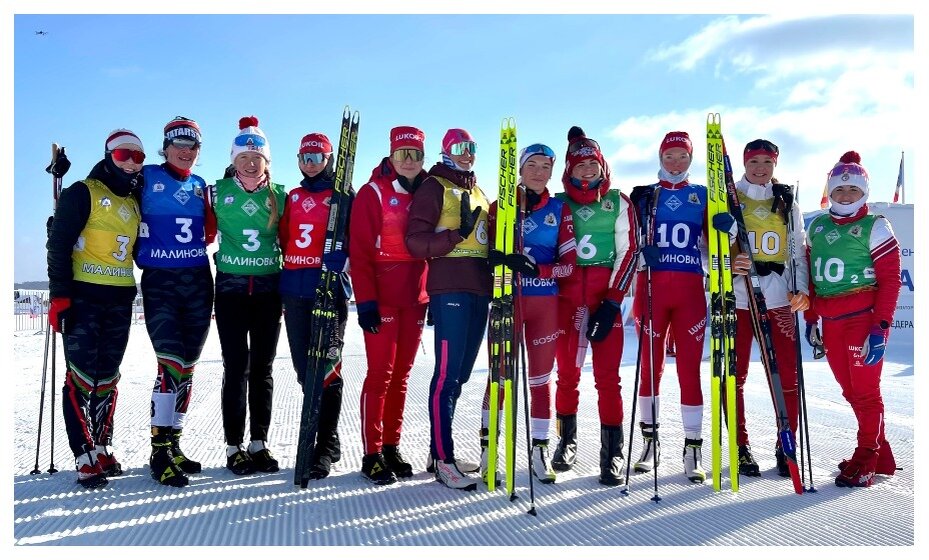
(103, 252)
(475, 245)
(767, 232)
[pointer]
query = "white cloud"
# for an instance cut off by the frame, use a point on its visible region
(827, 85)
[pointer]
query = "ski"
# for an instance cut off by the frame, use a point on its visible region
(762, 330)
(722, 311)
(326, 345)
(501, 331)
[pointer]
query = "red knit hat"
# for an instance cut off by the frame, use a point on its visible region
(580, 147)
(676, 139)
(315, 143)
(407, 137)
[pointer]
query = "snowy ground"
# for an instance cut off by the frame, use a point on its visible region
(219, 508)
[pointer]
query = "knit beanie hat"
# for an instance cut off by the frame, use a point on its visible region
(676, 139)
(315, 143)
(250, 139)
(122, 136)
(181, 127)
(407, 137)
(849, 171)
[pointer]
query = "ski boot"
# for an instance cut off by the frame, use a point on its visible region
(541, 464)
(375, 469)
(448, 474)
(693, 460)
(108, 461)
(261, 457)
(566, 451)
(89, 473)
(612, 461)
(747, 464)
(183, 462)
(395, 461)
(651, 448)
(161, 462)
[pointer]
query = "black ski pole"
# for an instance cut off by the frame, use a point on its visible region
(635, 399)
(803, 425)
(649, 251)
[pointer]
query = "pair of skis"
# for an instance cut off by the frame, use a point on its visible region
(724, 197)
(326, 344)
(722, 311)
(502, 330)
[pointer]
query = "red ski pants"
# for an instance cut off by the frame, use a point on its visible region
(784, 336)
(678, 304)
(571, 349)
(390, 355)
(540, 330)
(861, 384)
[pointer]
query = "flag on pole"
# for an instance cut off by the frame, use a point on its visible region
(824, 201)
(900, 192)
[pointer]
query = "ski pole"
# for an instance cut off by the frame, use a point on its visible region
(635, 398)
(38, 440)
(803, 425)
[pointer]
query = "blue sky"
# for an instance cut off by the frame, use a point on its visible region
(816, 86)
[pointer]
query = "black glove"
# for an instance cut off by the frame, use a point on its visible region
(429, 321)
(468, 217)
(495, 258)
(523, 264)
(652, 255)
(785, 195)
(369, 317)
(725, 222)
(641, 192)
(601, 322)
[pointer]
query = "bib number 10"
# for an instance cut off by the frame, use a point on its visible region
(833, 270)
(680, 235)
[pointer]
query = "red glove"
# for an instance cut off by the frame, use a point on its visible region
(58, 312)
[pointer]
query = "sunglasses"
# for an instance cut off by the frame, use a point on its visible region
(459, 148)
(125, 154)
(403, 153)
(184, 143)
(762, 145)
(585, 146)
(309, 158)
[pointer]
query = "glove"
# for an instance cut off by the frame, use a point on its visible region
(429, 320)
(742, 264)
(495, 258)
(335, 260)
(873, 348)
(601, 322)
(58, 313)
(799, 302)
(813, 336)
(784, 194)
(640, 193)
(532, 199)
(523, 264)
(468, 217)
(369, 317)
(652, 255)
(725, 222)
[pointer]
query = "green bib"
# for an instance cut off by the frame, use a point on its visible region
(247, 246)
(594, 229)
(840, 255)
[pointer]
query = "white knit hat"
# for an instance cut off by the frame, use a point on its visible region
(250, 139)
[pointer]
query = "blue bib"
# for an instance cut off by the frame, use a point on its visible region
(540, 241)
(171, 234)
(678, 225)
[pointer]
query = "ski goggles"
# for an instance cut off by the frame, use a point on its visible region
(403, 153)
(535, 150)
(759, 147)
(183, 143)
(125, 154)
(312, 157)
(458, 148)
